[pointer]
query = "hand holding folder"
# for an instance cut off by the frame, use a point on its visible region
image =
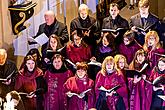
(7, 78)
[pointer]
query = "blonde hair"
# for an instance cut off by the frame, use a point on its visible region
(106, 60)
(143, 3)
(147, 36)
(116, 60)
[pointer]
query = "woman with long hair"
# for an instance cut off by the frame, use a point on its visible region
(158, 89)
(108, 78)
(26, 82)
(153, 47)
(52, 47)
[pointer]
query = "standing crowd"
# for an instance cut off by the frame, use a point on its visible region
(116, 65)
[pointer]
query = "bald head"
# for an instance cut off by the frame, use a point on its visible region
(49, 17)
(3, 56)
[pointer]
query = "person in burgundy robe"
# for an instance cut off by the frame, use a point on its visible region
(26, 82)
(139, 88)
(153, 47)
(120, 65)
(79, 84)
(78, 51)
(159, 70)
(108, 78)
(55, 77)
(35, 53)
(129, 46)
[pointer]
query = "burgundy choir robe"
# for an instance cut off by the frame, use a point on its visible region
(54, 97)
(78, 54)
(129, 50)
(154, 75)
(153, 57)
(27, 83)
(109, 81)
(76, 85)
(140, 95)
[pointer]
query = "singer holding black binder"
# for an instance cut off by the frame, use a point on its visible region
(144, 21)
(88, 25)
(158, 89)
(115, 21)
(110, 88)
(8, 71)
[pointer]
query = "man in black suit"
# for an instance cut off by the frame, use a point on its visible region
(145, 20)
(7, 69)
(115, 21)
(88, 25)
(53, 26)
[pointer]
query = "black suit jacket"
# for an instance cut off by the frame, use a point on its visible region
(152, 23)
(8, 68)
(118, 22)
(57, 28)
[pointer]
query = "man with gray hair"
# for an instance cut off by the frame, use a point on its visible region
(8, 71)
(88, 26)
(53, 26)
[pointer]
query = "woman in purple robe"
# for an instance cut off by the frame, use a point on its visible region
(107, 79)
(78, 51)
(129, 46)
(55, 77)
(153, 47)
(139, 89)
(79, 90)
(158, 89)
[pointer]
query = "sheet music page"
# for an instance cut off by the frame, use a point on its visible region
(95, 63)
(162, 97)
(41, 39)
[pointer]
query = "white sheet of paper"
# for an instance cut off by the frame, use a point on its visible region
(95, 63)
(41, 39)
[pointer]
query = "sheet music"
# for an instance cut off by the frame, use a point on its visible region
(81, 95)
(71, 63)
(8, 77)
(109, 90)
(112, 30)
(41, 39)
(162, 97)
(144, 67)
(95, 63)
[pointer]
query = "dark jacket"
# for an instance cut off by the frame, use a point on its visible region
(8, 68)
(152, 23)
(89, 22)
(57, 28)
(118, 22)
